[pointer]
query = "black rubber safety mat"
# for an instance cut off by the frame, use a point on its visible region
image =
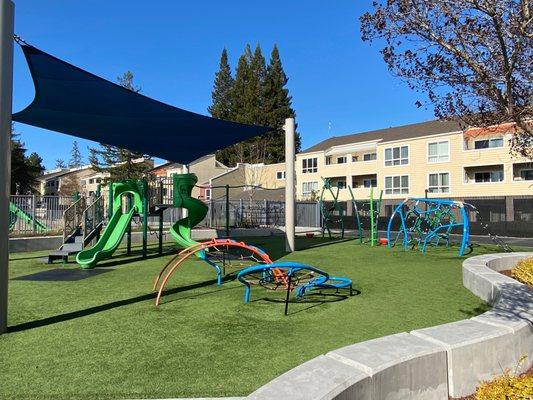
(61, 274)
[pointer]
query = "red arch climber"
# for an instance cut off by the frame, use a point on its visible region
(190, 251)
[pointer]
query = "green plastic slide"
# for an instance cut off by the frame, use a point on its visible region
(109, 241)
(197, 210)
(116, 227)
(16, 212)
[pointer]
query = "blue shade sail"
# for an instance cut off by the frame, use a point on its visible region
(73, 101)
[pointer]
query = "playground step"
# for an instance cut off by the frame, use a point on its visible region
(73, 246)
(58, 255)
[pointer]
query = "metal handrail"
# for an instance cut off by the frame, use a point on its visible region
(72, 217)
(93, 216)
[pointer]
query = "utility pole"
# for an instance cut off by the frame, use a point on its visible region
(7, 16)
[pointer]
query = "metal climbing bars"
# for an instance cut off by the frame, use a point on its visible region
(203, 250)
(429, 221)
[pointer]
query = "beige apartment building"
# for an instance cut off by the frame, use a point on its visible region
(205, 168)
(256, 181)
(436, 158)
(83, 179)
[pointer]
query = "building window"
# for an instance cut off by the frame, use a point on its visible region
(208, 194)
(439, 152)
(370, 156)
(372, 182)
(328, 160)
(526, 174)
(397, 184)
(341, 160)
(439, 183)
(309, 165)
(484, 177)
(488, 143)
(280, 175)
(341, 184)
(308, 188)
(397, 156)
(98, 180)
(355, 158)
(91, 181)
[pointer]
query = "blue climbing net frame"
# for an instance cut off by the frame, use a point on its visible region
(428, 221)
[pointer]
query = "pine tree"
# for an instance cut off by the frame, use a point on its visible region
(222, 90)
(24, 170)
(238, 152)
(118, 162)
(76, 159)
(259, 97)
(60, 164)
(277, 107)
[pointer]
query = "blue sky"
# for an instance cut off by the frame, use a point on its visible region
(173, 49)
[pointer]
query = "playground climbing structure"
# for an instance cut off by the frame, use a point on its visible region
(424, 222)
(371, 208)
(331, 211)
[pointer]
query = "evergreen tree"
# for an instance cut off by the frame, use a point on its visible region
(237, 153)
(259, 97)
(60, 164)
(35, 161)
(222, 90)
(277, 107)
(24, 170)
(118, 162)
(75, 156)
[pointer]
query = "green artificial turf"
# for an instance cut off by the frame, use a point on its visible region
(103, 337)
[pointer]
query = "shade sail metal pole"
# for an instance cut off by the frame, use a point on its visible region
(289, 184)
(7, 13)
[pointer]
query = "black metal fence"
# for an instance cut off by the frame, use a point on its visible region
(247, 214)
(504, 216)
(259, 213)
(31, 215)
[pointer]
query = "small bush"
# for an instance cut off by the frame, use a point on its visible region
(506, 387)
(523, 271)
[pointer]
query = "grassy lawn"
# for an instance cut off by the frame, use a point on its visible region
(103, 337)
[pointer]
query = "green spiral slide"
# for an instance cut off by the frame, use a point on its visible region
(197, 210)
(116, 228)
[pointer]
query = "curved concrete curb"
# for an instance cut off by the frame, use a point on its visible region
(431, 363)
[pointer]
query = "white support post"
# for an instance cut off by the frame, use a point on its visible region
(7, 13)
(184, 211)
(290, 184)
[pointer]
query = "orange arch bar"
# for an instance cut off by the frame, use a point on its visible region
(188, 252)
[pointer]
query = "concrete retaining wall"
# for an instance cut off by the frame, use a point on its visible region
(27, 244)
(40, 243)
(431, 363)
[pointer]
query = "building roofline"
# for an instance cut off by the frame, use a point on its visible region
(401, 132)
